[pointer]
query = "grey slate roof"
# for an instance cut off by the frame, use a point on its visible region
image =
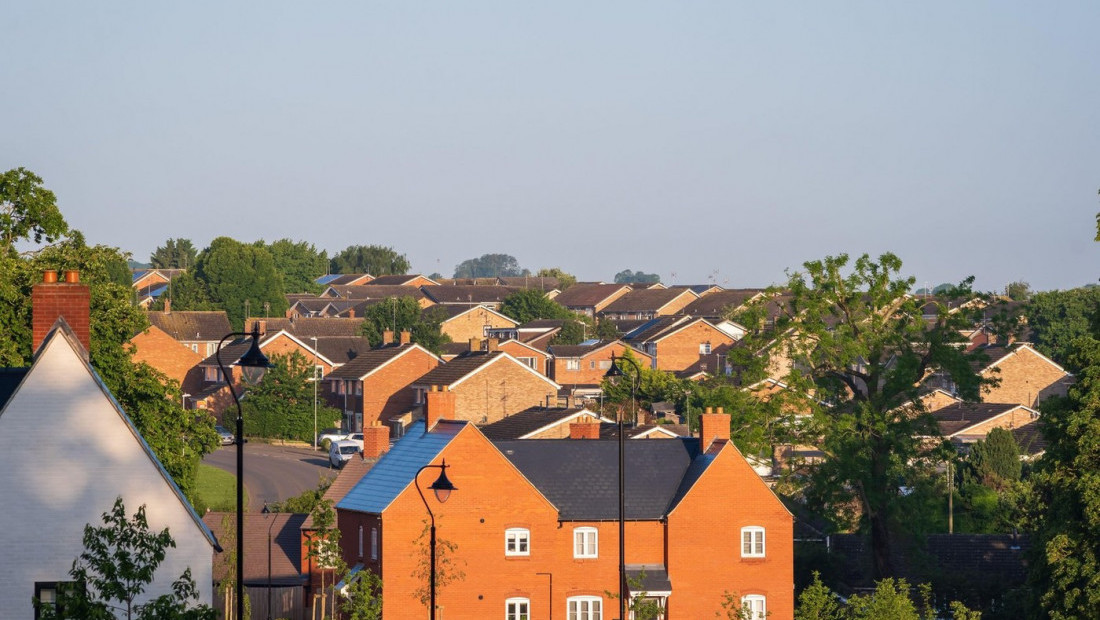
(367, 362)
(713, 304)
(582, 295)
(341, 349)
(394, 472)
(959, 416)
(580, 477)
(646, 300)
(192, 325)
(648, 577)
(459, 367)
(363, 292)
(304, 328)
(462, 294)
(655, 328)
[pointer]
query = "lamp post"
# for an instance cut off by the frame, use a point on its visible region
(266, 512)
(315, 380)
(442, 487)
(613, 374)
(254, 358)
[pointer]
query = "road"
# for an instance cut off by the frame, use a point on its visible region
(273, 473)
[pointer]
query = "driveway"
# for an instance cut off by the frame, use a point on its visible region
(273, 473)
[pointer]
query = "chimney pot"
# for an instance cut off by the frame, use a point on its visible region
(72, 276)
(49, 276)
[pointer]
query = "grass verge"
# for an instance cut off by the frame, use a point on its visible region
(217, 488)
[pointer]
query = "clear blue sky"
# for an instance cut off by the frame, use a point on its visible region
(703, 139)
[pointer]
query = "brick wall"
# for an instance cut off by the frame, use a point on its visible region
(516, 350)
(168, 355)
(681, 349)
(1026, 379)
(52, 300)
(500, 389)
(472, 324)
(386, 393)
(590, 372)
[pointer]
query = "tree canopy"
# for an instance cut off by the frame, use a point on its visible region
(27, 210)
(281, 406)
(404, 313)
(529, 304)
(241, 279)
(857, 352)
(300, 264)
(377, 260)
(565, 280)
(1058, 318)
(174, 254)
(490, 266)
(627, 276)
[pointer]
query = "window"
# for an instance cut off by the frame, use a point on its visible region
(517, 541)
(585, 542)
(374, 543)
(704, 348)
(585, 608)
(195, 347)
(605, 364)
(46, 593)
(592, 365)
(572, 364)
(358, 388)
(530, 361)
(517, 609)
(752, 542)
(213, 375)
(756, 605)
(361, 541)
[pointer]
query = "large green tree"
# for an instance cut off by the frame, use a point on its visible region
(27, 210)
(860, 352)
(627, 276)
(299, 263)
(377, 260)
(1066, 502)
(241, 279)
(174, 254)
(526, 305)
(1058, 318)
(281, 405)
(490, 266)
(565, 280)
(398, 314)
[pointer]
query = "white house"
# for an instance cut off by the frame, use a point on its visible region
(67, 450)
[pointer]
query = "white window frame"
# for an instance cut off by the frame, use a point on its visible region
(757, 604)
(584, 608)
(517, 542)
(517, 608)
(753, 542)
(572, 363)
(704, 348)
(586, 542)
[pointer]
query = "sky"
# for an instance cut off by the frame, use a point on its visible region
(708, 142)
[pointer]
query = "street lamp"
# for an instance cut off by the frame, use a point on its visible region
(612, 375)
(315, 380)
(266, 512)
(254, 358)
(442, 487)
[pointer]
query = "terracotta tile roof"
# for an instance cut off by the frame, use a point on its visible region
(191, 324)
(286, 546)
(460, 294)
(960, 416)
(587, 295)
(646, 300)
(714, 304)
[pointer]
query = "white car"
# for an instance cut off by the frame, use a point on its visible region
(342, 451)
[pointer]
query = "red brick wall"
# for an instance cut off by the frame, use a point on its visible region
(727, 497)
(168, 355)
(681, 349)
(498, 390)
(590, 372)
(516, 350)
(52, 300)
(386, 393)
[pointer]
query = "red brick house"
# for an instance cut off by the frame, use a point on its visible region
(590, 298)
(585, 364)
(677, 342)
(375, 386)
(198, 330)
(700, 526)
(170, 356)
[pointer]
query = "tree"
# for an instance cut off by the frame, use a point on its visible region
(299, 263)
(448, 568)
(404, 313)
(526, 305)
(627, 276)
(1065, 506)
(376, 260)
(363, 597)
(186, 292)
(323, 548)
(995, 460)
(1018, 291)
(818, 602)
(282, 404)
(27, 210)
(565, 280)
(241, 279)
(859, 351)
(118, 563)
(174, 254)
(1058, 318)
(574, 330)
(490, 266)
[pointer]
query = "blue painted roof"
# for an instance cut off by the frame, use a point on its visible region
(325, 279)
(395, 470)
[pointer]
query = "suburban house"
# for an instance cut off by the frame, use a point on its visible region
(701, 527)
(545, 423)
(345, 279)
(718, 304)
(485, 386)
(965, 423)
(648, 303)
(1026, 376)
(375, 386)
(52, 489)
(199, 330)
(363, 293)
(590, 298)
(413, 279)
(462, 295)
(677, 342)
(584, 365)
(170, 356)
(465, 322)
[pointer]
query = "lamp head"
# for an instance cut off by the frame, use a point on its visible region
(442, 485)
(614, 373)
(255, 358)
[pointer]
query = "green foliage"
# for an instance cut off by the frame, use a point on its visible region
(305, 502)
(860, 350)
(1057, 318)
(281, 406)
(174, 254)
(323, 548)
(404, 313)
(565, 280)
(241, 279)
(889, 601)
(1065, 505)
(607, 330)
(300, 264)
(490, 266)
(817, 602)
(364, 597)
(645, 385)
(448, 567)
(755, 424)
(119, 561)
(187, 292)
(527, 305)
(27, 210)
(1018, 291)
(627, 276)
(215, 489)
(575, 330)
(377, 260)
(995, 460)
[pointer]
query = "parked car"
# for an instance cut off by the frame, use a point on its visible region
(331, 434)
(226, 437)
(342, 451)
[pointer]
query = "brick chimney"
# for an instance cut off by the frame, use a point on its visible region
(168, 306)
(51, 300)
(440, 406)
(475, 345)
(492, 344)
(584, 430)
(376, 440)
(713, 425)
(387, 337)
(406, 336)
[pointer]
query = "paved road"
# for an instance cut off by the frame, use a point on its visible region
(272, 472)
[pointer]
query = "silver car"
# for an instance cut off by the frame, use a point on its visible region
(342, 451)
